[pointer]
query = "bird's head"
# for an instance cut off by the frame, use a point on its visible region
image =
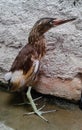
(44, 24)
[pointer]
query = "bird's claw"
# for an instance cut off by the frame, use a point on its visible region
(23, 103)
(39, 113)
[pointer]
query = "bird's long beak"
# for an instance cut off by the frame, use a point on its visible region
(59, 22)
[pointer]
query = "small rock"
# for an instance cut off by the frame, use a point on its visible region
(4, 127)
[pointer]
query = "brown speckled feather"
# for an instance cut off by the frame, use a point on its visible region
(23, 60)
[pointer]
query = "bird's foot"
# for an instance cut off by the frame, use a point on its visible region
(39, 113)
(22, 103)
(26, 102)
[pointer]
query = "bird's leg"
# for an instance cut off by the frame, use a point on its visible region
(36, 111)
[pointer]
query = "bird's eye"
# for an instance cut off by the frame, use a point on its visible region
(50, 22)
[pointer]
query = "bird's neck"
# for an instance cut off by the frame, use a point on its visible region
(38, 42)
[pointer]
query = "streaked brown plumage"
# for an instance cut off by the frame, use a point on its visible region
(26, 65)
(23, 60)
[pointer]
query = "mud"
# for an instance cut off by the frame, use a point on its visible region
(67, 117)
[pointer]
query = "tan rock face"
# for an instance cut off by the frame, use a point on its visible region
(63, 57)
(69, 88)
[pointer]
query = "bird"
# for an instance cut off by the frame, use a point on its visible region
(25, 68)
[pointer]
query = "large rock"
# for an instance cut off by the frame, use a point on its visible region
(68, 88)
(64, 43)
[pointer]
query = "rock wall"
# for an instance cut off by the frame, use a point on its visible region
(63, 58)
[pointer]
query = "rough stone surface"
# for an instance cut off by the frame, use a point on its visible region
(4, 127)
(69, 89)
(64, 43)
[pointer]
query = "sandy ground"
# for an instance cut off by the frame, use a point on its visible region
(68, 116)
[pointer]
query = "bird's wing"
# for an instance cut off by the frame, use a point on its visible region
(24, 60)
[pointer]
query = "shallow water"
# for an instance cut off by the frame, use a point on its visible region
(67, 117)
